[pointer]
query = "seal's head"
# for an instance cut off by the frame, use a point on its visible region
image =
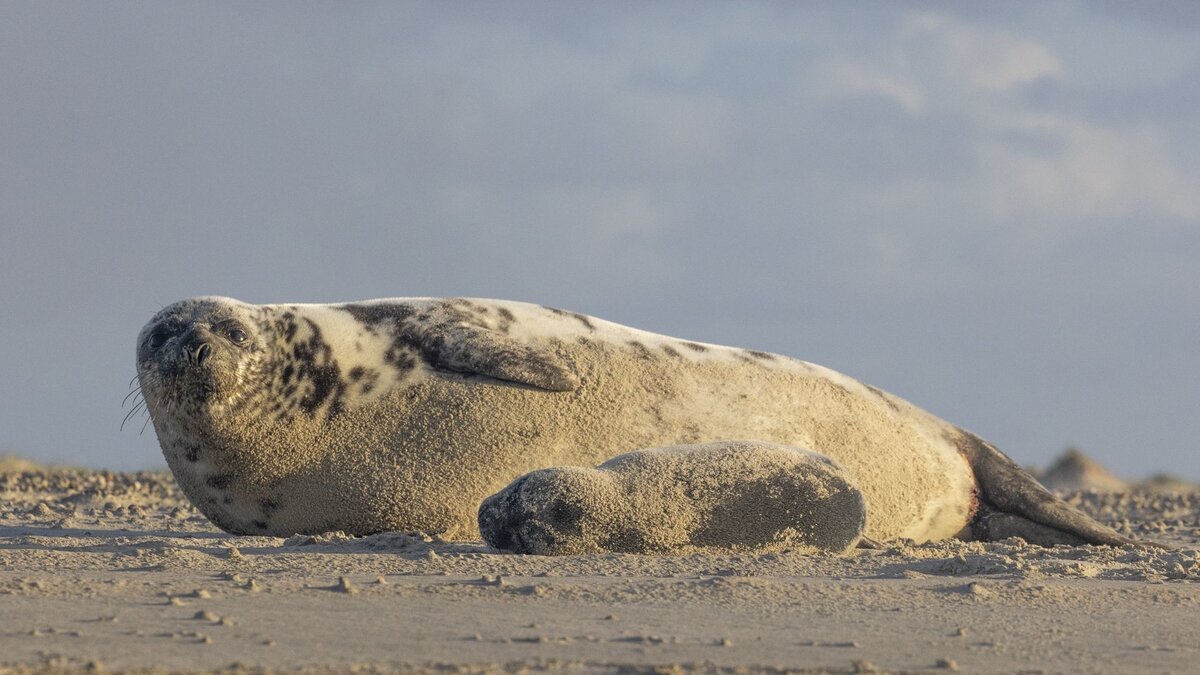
(199, 355)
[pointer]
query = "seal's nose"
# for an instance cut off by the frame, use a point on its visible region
(196, 347)
(200, 353)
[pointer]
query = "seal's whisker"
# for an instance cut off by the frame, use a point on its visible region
(135, 392)
(133, 411)
(135, 378)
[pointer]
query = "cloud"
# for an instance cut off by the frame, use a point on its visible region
(972, 56)
(1045, 175)
(1096, 175)
(846, 78)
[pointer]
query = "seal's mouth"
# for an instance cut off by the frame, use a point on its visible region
(188, 378)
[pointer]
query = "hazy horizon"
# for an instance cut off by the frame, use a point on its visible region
(992, 211)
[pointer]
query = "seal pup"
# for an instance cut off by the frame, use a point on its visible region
(733, 496)
(405, 413)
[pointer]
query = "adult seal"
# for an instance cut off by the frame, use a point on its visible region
(405, 413)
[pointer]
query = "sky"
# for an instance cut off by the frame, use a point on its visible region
(989, 209)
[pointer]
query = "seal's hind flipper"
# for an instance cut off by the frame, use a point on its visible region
(992, 525)
(1007, 488)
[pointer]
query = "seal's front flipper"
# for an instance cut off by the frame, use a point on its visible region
(479, 351)
(1009, 491)
(459, 336)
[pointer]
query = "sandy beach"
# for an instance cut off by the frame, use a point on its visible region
(104, 571)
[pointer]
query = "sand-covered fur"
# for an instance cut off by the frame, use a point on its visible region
(730, 496)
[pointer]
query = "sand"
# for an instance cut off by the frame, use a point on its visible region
(114, 572)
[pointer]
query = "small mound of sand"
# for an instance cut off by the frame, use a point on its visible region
(1165, 482)
(10, 463)
(1076, 471)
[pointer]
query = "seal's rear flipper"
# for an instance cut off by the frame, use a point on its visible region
(992, 525)
(1020, 506)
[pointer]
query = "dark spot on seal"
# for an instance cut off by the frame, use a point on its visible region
(326, 385)
(695, 346)
(219, 481)
(288, 371)
(506, 315)
(356, 373)
(401, 358)
(192, 453)
(227, 500)
(657, 412)
(384, 312)
(760, 355)
(641, 349)
(884, 397)
(316, 365)
(671, 352)
(286, 325)
(581, 318)
(259, 524)
(843, 394)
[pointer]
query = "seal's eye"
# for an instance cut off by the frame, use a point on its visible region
(237, 335)
(156, 339)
